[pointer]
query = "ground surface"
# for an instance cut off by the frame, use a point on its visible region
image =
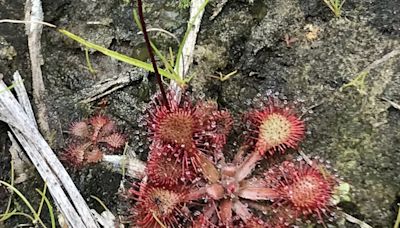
(357, 131)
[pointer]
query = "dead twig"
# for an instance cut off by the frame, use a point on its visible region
(393, 104)
(34, 12)
(378, 62)
(218, 8)
(354, 220)
(108, 86)
(26, 22)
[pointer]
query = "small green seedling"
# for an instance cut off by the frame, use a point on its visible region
(358, 82)
(224, 77)
(184, 4)
(397, 223)
(88, 63)
(342, 193)
(335, 6)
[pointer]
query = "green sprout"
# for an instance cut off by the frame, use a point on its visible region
(102, 204)
(223, 77)
(358, 82)
(88, 63)
(335, 6)
(184, 4)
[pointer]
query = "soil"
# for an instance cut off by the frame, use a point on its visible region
(295, 49)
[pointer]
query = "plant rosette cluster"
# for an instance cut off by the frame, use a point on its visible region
(90, 139)
(190, 183)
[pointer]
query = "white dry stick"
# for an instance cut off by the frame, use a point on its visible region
(18, 156)
(378, 62)
(109, 85)
(46, 162)
(34, 12)
(134, 167)
(196, 14)
(23, 98)
(19, 160)
(218, 8)
(392, 103)
(354, 220)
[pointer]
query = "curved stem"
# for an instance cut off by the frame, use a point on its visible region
(150, 50)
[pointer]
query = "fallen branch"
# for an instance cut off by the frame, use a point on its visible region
(61, 187)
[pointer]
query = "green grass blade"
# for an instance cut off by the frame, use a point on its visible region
(14, 212)
(12, 184)
(11, 86)
(39, 210)
(88, 63)
(50, 208)
(153, 46)
(118, 56)
(23, 198)
(7, 215)
(100, 202)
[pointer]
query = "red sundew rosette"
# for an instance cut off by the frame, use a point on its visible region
(274, 128)
(166, 166)
(158, 206)
(89, 140)
(271, 128)
(105, 131)
(303, 189)
(173, 125)
(216, 126)
(191, 130)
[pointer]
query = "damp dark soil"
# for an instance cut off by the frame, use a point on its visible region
(296, 49)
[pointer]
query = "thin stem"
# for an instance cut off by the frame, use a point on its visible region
(150, 50)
